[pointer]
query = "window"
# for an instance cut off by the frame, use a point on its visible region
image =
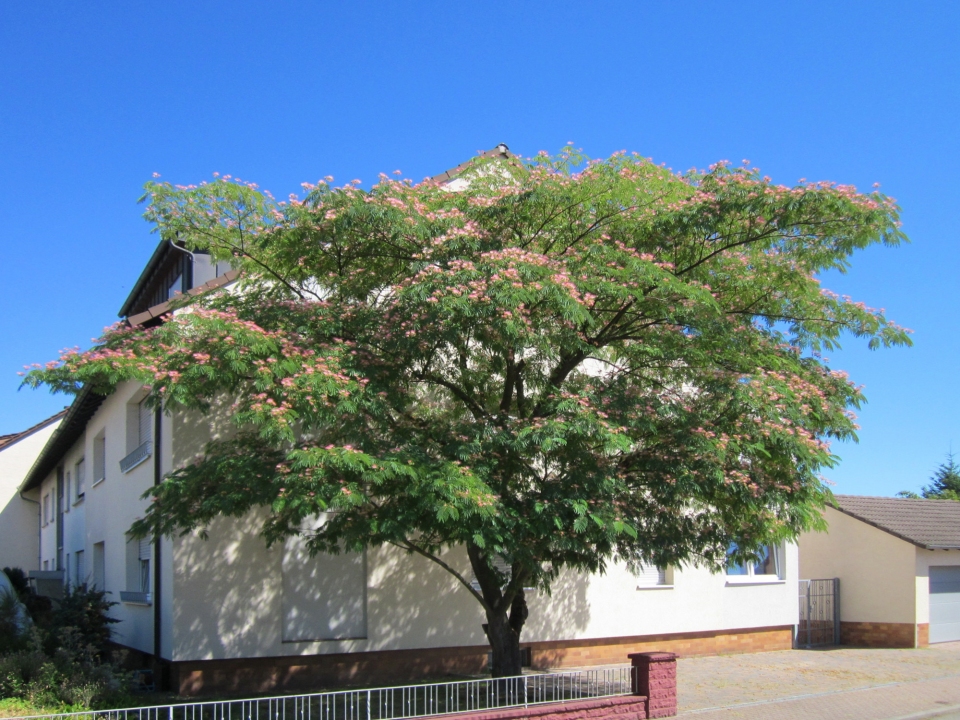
(323, 597)
(766, 564)
(144, 553)
(144, 423)
(78, 564)
(99, 566)
(139, 431)
(46, 564)
(68, 496)
(79, 472)
(46, 509)
(649, 576)
(175, 286)
(99, 458)
(138, 565)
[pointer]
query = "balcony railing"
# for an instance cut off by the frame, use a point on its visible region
(136, 457)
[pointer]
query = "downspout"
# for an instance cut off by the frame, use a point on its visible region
(157, 477)
(39, 527)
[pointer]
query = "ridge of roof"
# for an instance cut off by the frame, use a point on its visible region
(927, 523)
(7, 440)
(500, 151)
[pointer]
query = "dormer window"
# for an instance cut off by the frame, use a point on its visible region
(176, 286)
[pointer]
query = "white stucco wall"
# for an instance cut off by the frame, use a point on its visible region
(19, 540)
(223, 597)
(228, 592)
(105, 514)
(228, 601)
(877, 571)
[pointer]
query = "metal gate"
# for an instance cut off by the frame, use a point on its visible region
(819, 613)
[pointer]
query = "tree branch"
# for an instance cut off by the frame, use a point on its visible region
(407, 545)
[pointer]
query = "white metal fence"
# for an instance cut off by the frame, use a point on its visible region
(391, 703)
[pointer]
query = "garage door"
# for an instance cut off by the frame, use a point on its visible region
(945, 603)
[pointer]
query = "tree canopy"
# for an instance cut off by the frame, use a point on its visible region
(944, 485)
(563, 363)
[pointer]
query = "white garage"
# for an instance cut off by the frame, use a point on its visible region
(909, 547)
(944, 603)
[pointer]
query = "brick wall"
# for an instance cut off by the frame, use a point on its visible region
(607, 651)
(655, 676)
(308, 672)
(629, 707)
(879, 635)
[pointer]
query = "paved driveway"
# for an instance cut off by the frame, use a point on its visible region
(903, 681)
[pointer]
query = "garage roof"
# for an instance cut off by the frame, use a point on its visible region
(930, 524)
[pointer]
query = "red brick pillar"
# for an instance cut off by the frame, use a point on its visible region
(655, 675)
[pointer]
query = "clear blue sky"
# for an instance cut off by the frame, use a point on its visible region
(96, 96)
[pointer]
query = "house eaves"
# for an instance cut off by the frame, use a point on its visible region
(926, 523)
(153, 264)
(75, 419)
(163, 308)
(86, 403)
(8, 440)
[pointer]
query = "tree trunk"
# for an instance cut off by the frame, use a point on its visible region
(503, 633)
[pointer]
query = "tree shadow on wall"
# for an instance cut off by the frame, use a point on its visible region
(278, 619)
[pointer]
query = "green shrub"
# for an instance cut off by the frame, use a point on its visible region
(80, 625)
(59, 660)
(61, 681)
(16, 630)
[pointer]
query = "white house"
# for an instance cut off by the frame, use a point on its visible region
(228, 613)
(898, 560)
(19, 539)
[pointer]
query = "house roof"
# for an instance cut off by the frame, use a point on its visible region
(930, 524)
(161, 252)
(10, 439)
(87, 402)
(500, 151)
(75, 419)
(165, 307)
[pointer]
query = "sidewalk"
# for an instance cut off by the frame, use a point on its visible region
(903, 701)
(845, 683)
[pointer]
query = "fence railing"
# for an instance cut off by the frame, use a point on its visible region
(390, 703)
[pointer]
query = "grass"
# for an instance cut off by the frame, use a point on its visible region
(15, 707)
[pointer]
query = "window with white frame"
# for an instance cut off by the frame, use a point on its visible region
(768, 563)
(139, 552)
(78, 568)
(139, 424)
(68, 496)
(652, 576)
(99, 566)
(46, 509)
(79, 472)
(99, 458)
